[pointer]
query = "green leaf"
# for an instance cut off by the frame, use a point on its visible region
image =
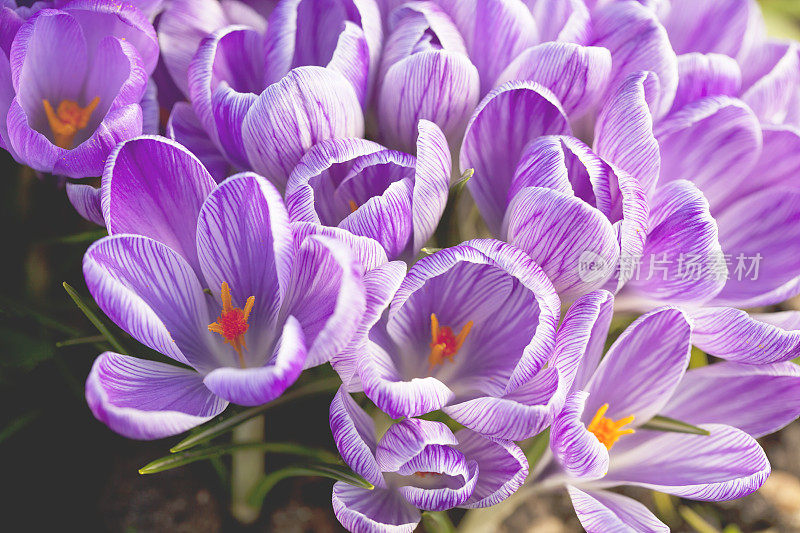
(695, 521)
(184, 458)
(17, 424)
(80, 340)
(93, 318)
(332, 471)
(538, 445)
(430, 250)
(221, 426)
(79, 238)
(663, 423)
(23, 351)
(437, 522)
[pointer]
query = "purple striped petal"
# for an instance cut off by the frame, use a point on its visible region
(308, 105)
(184, 127)
(713, 137)
(580, 454)
(373, 511)
(577, 75)
(624, 129)
(351, 58)
(601, 511)
(448, 481)
(244, 240)
(683, 259)
(151, 292)
(155, 187)
(354, 433)
(637, 42)
(725, 465)
(407, 439)
(688, 21)
(431, 182)
(502, 468)
(703, 75)
(642, 368)
(751, 339)
(558, 20)
(559, 231)
(495, 141)
(772, 96)
(326, 295)
(146, 400)
(257, 385)
(759, 400)
(760, 235)
(86, 201)
(436, 85)
(494, 31)
(517, 415)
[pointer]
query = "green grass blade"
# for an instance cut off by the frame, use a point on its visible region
(663, 423)
(93, 319)
(332, 471)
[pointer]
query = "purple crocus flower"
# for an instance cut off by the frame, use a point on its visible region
(417, 465)
(215, 278)
(392, 197)
(72, 80)
(472, 331)
(598, 441)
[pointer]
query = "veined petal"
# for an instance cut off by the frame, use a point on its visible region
(184, 127)
(581, 455)
(502, 468)
(155, 187)
(495, 140)
(143, 399)
(601, 511)
(431, 182)
(308, 105)
(86, 201)
(354, 433)
(703, 75)
(747, 338)
(725, 465)
(771, 96)
(559, 231)
(758, 399)
(405, 440)
(558, 20)
(262, 384)
(577, 75)
(437, 85)
(642, 368)
(373, 511)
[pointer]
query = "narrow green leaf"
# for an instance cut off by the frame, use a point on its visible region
(93, 318)
(17, 424)
(79, 238)
(437, 522)
(430, 250)
(184, 458)
(332, 471)
(80, 340)
(695, 521)
(663, 423)
(219, 427)
(537, 447)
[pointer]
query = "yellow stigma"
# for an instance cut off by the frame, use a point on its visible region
(68, 119)
(444, 344)
(232, 322)
(606, 430)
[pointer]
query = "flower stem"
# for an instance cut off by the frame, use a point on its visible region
(247, 468)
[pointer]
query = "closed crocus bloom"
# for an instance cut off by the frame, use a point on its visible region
(417, 465)
(213, 277)
(357, 185)
(599, 442)
(425, 74)
(77, 76)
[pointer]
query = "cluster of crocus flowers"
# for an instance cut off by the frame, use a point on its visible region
(308, 158)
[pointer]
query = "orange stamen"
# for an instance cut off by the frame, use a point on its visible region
(353, 206)
(68, 119)
(232, 322)
(606, 430)
(444, 344)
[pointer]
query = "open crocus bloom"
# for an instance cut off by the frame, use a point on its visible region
(417, 465)
(598, 440)
(360, 186)
(75, 79)
(212, 277)
(472, 331)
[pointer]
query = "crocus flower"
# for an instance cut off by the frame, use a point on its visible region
(214, 278)
(392, 197)
(417, 465)
(472, 331)
(73, 79)
(600, 439)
